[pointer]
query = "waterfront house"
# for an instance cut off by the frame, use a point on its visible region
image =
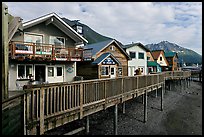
(137, 52)
(172, 59)
(152, 65)
(46, 50)
(109, 60)
(159, 57)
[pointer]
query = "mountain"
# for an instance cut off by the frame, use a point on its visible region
(185, 55)
(88, 33)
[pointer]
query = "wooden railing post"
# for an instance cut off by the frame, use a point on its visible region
(81, 100)
(41, 111)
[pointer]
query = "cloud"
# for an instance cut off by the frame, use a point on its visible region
(145, 22)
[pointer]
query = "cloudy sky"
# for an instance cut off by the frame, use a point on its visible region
(145, 22)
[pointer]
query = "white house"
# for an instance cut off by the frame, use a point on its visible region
(137, 52)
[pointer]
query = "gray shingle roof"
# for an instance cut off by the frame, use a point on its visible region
(96, 47)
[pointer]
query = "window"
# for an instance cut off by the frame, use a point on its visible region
(58, 41)
(24, 71)
(132, 54)
(59, 71)
(141, 56)
(120, 71)
(104, 70)
(50, 71)
(34, 38)
(79, 29)
(160, 58)
(148, 58)
(112, 48)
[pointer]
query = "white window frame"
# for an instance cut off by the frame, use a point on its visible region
(143, 55)
(135, 54)
(108, 70)
(56, 37)
(24, 70)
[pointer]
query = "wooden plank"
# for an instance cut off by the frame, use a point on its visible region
(47, 101)
(51, 100)
(81, 100)
(32, 104)
(41, 111)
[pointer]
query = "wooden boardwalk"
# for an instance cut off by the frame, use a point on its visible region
(46, 107)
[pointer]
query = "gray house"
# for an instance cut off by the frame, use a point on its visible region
(45, 50)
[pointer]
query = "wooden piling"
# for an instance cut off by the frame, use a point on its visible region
(145, 106)
(115, 126)
(123, 107)
(162, 91)
(87, 124)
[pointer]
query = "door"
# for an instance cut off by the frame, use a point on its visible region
(55, 73)
(40, 73)
(112, 72)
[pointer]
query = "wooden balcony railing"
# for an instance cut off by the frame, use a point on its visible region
(22, 50)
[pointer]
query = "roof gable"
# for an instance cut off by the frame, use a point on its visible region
(98, 47)
(103, 57)
(135, 44)
(57, 21)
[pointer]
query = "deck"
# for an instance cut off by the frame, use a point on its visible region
(52, 105)
(29, 51)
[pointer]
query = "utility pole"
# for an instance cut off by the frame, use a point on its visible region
(4, 51)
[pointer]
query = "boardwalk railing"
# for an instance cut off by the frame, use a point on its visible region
(49, 106)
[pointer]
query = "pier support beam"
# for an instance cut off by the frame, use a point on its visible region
(156, 92)
(145, 106)
(87, 124)
(123, 107)
(115, 126)
(162, 94)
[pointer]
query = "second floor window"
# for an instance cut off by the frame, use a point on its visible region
(160, 58)
(148, 58)
(132, 55)
(141, 56)
(58, 41)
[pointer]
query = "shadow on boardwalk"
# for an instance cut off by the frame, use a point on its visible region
(182, 115)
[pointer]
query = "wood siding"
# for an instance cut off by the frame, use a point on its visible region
(119, 55)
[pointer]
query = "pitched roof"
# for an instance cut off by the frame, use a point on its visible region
(152, 64)
(156, 53)
(169, 54)
(97, 47)
(48, 16)
(103, 57)
(136, 44)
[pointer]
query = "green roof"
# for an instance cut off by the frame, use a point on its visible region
(152, 64)
(169, 54)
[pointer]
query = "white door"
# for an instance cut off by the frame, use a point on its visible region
(112, 72)
(59, 73)
(55, 73)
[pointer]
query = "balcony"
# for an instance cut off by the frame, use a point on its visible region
(29, 51)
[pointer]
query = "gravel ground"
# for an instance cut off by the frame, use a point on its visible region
(182, 115)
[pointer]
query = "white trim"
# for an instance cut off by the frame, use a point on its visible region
(24, 70)
(55, 15)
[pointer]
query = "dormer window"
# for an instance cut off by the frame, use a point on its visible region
(79, 29)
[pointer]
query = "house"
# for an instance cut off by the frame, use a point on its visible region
(159, 57)
(172, 59)
(152, 65)
(109, 60)
(46, 51)
(137, 52)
